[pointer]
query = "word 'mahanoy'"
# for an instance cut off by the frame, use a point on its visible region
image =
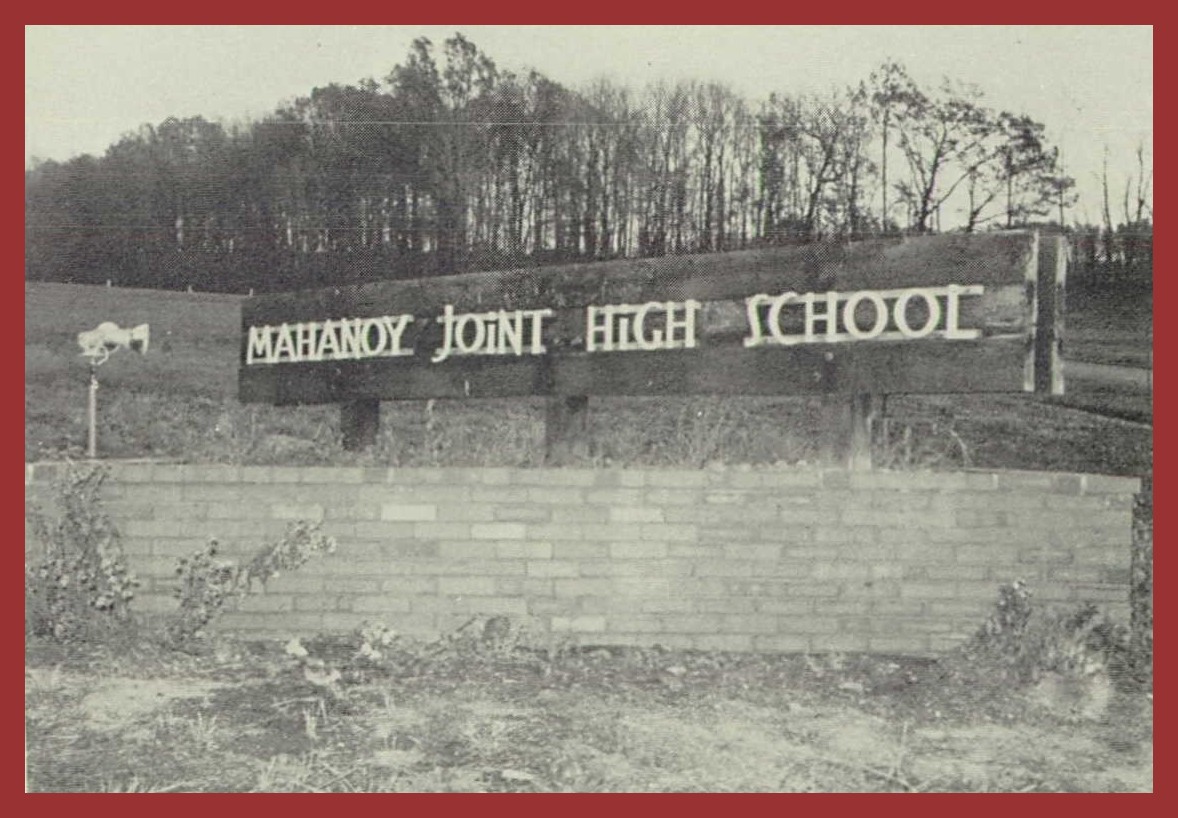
(347, 339)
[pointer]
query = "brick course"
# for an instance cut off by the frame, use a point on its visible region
(791, 560)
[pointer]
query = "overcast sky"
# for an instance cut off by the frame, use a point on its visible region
(1092, 86)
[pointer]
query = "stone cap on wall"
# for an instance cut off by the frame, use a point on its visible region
(1069, 483)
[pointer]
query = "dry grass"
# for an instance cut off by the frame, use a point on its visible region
(515, 719)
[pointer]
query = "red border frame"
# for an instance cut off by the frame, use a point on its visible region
(597, 13)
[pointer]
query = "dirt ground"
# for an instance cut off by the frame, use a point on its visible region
(251, 717)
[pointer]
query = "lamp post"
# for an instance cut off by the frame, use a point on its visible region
(92, 412)
(97, 346)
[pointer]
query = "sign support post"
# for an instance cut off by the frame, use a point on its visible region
(97, 346)
(566, 428)
(359, 423)
(862, 412)
(92, 412)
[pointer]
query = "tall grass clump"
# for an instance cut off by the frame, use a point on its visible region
(78, 587)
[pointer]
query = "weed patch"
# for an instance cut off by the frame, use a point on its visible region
(79, 587)
(207, 581)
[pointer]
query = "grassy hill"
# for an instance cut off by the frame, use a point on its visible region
(179, 401)
(1109, 322)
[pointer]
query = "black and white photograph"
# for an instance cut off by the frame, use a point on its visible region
(553, 408)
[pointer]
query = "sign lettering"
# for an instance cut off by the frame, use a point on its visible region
(948, 313)
(865, 315)
(491, 333)
(333, 340)
(824, 318)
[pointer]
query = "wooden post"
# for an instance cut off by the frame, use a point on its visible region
(1052, 273)
(836, 429)
(862, 411)
(848, 430)
(566, 429)
(359, 422)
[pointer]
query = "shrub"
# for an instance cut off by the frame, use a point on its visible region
(79, 587)
(1021, 642)
(207, 582)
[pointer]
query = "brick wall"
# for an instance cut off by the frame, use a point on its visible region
(737, 559)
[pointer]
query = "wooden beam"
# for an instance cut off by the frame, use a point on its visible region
(559, 363)
(980, 258)
(838, 369)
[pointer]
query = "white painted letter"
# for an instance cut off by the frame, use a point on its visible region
(900, 313)
(538, 316)
(480, 332)
(881, 314)
(656, 337)
(830, 317)
(511, 331)
(260, 345)
(773, 320)
(395, 329)
(305, 341)
(595, 328)
(447, 320)
(326, 335)
(690, 307)
(372, 350)
(952, 314)
(349, 339)
(284, 343)
(754, 318)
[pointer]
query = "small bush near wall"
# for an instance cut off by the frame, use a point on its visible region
(78, 587)
(207, 582)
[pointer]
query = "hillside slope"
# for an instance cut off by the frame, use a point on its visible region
(179, 401)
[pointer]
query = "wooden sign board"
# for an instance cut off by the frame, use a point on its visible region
(935, 314)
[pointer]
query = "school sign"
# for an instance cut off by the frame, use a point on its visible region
(936, 314)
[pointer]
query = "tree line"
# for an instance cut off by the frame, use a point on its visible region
(451, 164)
